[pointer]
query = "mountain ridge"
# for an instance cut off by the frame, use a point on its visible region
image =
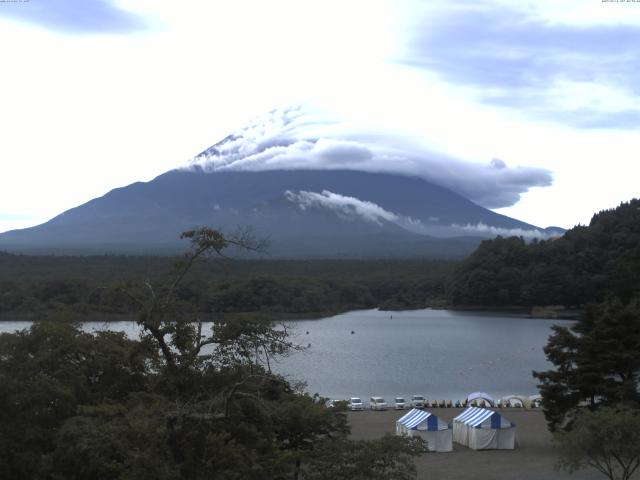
(315, 213)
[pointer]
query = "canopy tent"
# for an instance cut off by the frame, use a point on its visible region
(482, 429)
(435, 432)
(535, 401)
(481, 396)
(515, 401)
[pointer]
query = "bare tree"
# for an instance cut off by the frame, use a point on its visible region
(174, 329)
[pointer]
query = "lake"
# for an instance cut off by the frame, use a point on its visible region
(441, 354)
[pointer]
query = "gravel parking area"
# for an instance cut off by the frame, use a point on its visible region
(533, 459)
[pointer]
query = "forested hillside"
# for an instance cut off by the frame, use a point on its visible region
(181, 402)
(585, 265)
(33, 286)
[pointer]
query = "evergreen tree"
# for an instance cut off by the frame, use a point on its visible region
(597, 362)
(586, 264)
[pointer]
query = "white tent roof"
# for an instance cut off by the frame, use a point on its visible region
(481, 396)
(521, 398)
(415, 417)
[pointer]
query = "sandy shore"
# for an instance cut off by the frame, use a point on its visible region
(533, 459)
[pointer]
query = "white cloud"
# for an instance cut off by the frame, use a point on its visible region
(350, 207)
(515, 57)
(304, 138)
(116, 109)
(484, 230)
(343, 205)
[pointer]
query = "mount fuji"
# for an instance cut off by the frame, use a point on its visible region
(328, 212)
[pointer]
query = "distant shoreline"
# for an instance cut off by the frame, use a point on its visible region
(544, 313)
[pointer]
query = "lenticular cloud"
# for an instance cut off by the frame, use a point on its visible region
(345, 205)
(350, 207)
(300, 138)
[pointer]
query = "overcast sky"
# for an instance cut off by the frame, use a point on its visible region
(530, 108)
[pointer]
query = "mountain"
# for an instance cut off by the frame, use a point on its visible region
(304, 213)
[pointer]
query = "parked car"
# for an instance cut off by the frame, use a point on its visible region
(377, 403)
(400, 404)
(418, 401)
(355, 404)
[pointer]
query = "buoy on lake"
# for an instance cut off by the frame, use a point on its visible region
(307, 332)
(352, 332)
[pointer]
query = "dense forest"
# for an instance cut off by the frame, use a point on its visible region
(585, 265)
(181, 402)
(37, 286)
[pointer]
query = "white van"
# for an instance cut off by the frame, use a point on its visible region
(377, 403)
(418, 401)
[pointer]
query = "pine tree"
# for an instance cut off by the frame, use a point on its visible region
(597, 362)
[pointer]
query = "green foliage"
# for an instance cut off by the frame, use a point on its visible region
(388, 457)
(285, 294)
(607, 440)
(12, 296)
(114, 441)
(180, 403)
(596, 360)
(46, 373)
(35, 287)
(339, 405)
(585, 265)
(78, 405)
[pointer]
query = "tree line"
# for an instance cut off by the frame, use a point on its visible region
(591, 395)
(587, 264)
(39, 287)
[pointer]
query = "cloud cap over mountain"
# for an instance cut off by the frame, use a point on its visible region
(303, 138)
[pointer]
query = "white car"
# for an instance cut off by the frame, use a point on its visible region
(417, 401)
(377, 403)
(355, 404)
(400, 404)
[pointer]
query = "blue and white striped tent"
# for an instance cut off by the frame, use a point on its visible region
(434, 431)
(481, 428)
(475, 416)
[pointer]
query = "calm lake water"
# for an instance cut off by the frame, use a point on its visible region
(441, 354)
